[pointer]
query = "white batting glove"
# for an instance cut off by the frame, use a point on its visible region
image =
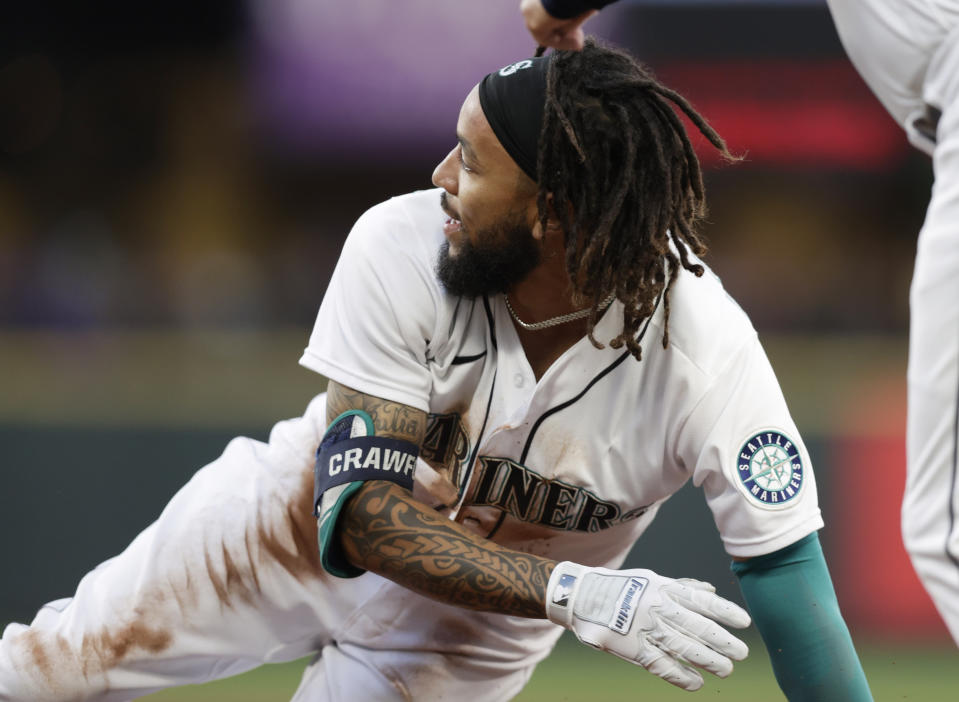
(662, 624)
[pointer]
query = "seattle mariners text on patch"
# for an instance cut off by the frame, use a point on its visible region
(770, 468)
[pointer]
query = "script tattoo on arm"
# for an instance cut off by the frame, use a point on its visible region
(389, 418)
(385, 530)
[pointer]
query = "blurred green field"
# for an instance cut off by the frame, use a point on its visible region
(927, 673)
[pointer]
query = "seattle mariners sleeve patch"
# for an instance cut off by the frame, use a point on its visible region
(770, 469)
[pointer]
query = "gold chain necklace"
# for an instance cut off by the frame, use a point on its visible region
(553, 321)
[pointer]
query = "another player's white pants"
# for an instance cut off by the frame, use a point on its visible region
(908, 53)
(930, 510)
(228, 578)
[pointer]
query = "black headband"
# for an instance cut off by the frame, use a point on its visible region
(513, 100)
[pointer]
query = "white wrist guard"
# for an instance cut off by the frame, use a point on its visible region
(662, 624)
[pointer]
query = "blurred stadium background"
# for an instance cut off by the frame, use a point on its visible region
(176, 180)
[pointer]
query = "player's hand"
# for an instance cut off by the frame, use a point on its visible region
(665, 625)
(551, 31)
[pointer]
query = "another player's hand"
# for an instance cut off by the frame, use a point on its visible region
(551, 31)
(665, 625)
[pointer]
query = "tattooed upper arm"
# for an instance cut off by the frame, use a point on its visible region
(391, 419)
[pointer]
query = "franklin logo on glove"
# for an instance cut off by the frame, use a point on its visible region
(624, 617)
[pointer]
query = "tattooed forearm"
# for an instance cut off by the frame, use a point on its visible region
(388, 532)
(384, 530)
(389, 418)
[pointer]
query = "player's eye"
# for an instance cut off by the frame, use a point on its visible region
(459, 156)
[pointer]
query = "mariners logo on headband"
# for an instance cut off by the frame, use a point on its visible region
(770, 468)
(513, 67)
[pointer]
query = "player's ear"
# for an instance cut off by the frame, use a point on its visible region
(552, 228)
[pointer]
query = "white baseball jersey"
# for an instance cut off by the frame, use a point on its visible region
(908, 53)
(574, 466)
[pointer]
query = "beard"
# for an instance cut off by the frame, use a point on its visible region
(506, 257)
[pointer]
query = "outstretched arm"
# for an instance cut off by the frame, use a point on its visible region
(791, 598)
(665, 625)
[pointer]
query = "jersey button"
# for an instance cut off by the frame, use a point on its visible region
(518, 380)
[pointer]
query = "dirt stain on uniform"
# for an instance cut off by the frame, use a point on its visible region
(184, 595)
(453, 632)
(113, 646)
(285, 535)
(38, 652)
(52, 662)
(65, 670)
(303, 561)
(143, 631)
(231, 581)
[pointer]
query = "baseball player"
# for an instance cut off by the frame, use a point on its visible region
(908, 53)
(524, 364)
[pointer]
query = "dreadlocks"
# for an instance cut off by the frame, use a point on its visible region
(624, 182)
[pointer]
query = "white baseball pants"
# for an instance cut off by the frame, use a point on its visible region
(930, 510)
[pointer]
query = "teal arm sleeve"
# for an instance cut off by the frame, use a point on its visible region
(791, 599)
